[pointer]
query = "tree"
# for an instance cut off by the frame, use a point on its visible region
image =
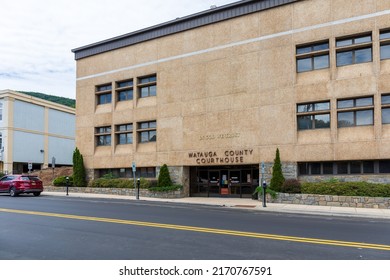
(78, 169)
(164, 179)
(277, 174)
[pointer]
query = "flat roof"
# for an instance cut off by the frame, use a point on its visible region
(210, 16)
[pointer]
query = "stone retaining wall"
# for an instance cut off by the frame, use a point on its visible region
(332, 200)
(118, 191)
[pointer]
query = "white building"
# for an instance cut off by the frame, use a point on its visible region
(35, 131)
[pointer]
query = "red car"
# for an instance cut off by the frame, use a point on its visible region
(17, 184)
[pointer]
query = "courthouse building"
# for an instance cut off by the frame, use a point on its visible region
(214, 94)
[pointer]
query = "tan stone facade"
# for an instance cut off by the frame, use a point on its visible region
(228, 93)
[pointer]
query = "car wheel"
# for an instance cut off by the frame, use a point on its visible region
(12, 192)
(37, 193)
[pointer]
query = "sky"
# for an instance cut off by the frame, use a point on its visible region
(37, 36)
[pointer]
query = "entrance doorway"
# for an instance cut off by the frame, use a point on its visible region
(231, 181)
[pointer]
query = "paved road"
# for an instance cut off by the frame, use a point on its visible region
(68, 228)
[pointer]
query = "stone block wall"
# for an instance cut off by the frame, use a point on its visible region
(332, 200)
(118, 191)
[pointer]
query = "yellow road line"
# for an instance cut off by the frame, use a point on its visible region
(205, 230)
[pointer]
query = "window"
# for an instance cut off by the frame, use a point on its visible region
(355, 112)
(354, 50)
(147, 132)
(103, 94)
(103, 136)
(124, 90)
(384, 38)
(313, 115)
(344, 167)
(147, 86)
(1, 111)
(312, 57)
(385, 109)
(124, 134)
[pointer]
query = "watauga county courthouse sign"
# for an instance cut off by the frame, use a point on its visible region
(226, 157)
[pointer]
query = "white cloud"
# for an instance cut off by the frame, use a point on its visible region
(36, 36)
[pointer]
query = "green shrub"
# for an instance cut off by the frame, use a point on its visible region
(166, 189)
(164, 179)
(61, 181)
(111, 183)
(347, 189)
(109, 175)
(121, 183)
(277, 179)
(259, 190)
(291, 186)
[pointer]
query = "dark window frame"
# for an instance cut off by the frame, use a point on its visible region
(384, 41)
(103, 94)
(124, 130)
(353, 47)
(149, 83)
(148, 128)
(311, 52)
(103, 136)
(355, 109)
(311, 112)
(124, 90)
(343, 168)
(385, 107)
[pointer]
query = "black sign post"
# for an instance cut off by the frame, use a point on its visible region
(67, 185)
(264, 194)
(138, 185)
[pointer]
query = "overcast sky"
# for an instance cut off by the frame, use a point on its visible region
(36, 36)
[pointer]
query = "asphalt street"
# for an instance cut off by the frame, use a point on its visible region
(69, 228)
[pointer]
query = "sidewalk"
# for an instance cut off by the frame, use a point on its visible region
(254, 205)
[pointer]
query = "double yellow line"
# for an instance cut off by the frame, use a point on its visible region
(205, 230)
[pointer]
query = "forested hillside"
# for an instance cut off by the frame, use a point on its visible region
(57, 99)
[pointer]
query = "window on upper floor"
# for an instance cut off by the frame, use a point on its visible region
(103, 135)
(313, 115)
(384, 38)
(385, 100)
(354, 50)
(124, 90)
(103, 94)
(313, 56)
(124, 134)
(1, 111)
(147, 86)
(147, 132)
(355, 112)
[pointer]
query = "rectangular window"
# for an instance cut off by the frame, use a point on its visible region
(124, 90)
(384, 166)
(124, 134)
(147, 86)
(103, 136)
(355, 112)
(103, 94)
(384, 38)
(313, 115)
(385, 108)
(354, 50)
(312, 57)
(147, 132)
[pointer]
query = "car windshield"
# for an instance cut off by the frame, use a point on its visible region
(29, 178)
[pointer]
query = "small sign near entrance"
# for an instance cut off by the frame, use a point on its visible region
(134, 167)
(29, 166)
(224, 190)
